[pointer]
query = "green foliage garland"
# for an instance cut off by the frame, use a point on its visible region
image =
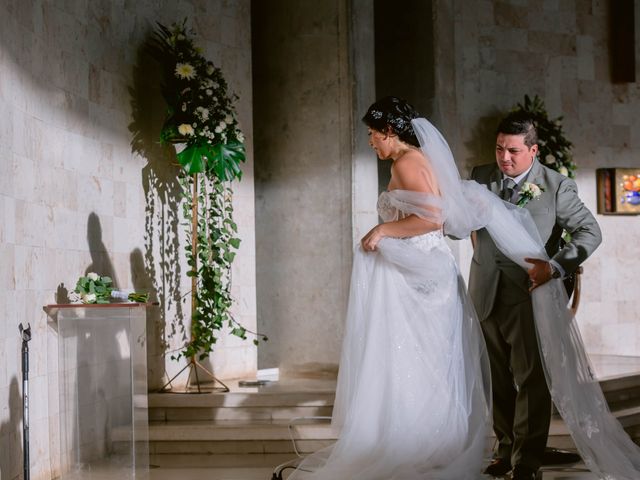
(554, 148)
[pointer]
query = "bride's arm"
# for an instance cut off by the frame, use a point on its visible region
(406, 227)
(408, 173)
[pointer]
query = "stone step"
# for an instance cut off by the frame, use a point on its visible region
(629, 418)
(622, 391)
(246, 414)
(247, 460)
(260, 405)
(252, 406)
(232, 437)
(228, 437)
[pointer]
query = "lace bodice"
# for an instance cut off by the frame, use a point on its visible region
(397, 204)
(388, 203)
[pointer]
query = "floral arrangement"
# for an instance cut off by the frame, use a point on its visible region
(554, 149)
(200, 112)
(93, 288)
(529, 191)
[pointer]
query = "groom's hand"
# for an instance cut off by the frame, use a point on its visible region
(539, 273)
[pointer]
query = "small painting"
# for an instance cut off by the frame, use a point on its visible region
(618, 191)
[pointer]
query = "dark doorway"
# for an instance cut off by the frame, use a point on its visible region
(404, 58)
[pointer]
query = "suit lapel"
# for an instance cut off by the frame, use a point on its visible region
(535, 174)
(495, 181)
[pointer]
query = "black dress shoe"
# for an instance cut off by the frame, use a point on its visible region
(522, 472)
(554, 456)
(498, 467)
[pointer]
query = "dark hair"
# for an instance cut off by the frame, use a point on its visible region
(393, 115)
(519, 123)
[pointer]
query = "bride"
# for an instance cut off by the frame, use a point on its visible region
(412, 398)
(413, 392)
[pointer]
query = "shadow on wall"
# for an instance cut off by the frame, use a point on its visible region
(482, 144)
(100, 261)
(11, 435)
(161, 259)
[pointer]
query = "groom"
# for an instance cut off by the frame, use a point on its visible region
(500, 291)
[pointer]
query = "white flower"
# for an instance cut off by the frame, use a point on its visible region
(185, 70)
(218, 129)
(185, 129)
(88, 298)
(210, 69)
(228, 118)
(563, 170)
(184, 107)
(533, 188)
(549, 159)
(240, 137)
(93, 276)
(209, 91)
(204, 113)
(529, 191)
(222, 124)
(215, 85)
(74, 297)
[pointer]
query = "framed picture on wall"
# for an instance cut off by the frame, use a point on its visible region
(618, 191)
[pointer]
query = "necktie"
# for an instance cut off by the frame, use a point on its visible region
(508, 186)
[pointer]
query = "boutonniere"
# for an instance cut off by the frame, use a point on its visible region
(529, 191)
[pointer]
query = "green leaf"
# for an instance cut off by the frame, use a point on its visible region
(191, 159)
(235, 242)
(224, 160)
(239, 332)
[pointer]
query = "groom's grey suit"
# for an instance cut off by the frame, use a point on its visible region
(500, 293)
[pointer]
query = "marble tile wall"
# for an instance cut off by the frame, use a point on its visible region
(77, 194)
(489, 55)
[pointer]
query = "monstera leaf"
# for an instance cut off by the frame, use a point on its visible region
(225, 159)
(222, 160)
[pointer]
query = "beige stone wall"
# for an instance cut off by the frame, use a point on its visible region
(77, 193)
(489, 55)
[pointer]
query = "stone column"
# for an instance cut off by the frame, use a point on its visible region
(306, 197)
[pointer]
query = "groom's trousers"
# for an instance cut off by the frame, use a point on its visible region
(521, 399)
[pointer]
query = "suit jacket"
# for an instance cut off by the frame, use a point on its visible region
(557, 208)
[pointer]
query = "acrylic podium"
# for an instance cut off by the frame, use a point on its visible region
(102, 387)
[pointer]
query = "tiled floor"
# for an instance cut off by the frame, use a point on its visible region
(574, 473)
(265, 473)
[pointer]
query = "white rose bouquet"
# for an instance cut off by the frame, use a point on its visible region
(529, 191)
(96, 289)
(93, 289)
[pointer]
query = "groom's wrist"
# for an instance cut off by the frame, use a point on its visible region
(556, 270)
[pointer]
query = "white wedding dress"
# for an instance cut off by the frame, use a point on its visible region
(412, 400)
